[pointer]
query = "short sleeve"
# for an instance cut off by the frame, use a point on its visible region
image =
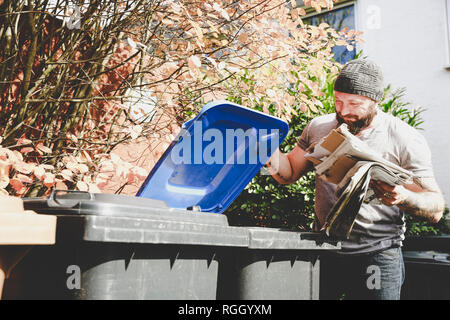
(304, 140)
(416, 156)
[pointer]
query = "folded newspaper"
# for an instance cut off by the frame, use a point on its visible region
(345, 160)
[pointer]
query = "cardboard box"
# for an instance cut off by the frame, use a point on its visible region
(342, 164)
(339, 169)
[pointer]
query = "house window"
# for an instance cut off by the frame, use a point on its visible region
(338, 19)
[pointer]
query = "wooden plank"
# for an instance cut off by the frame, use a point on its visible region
(27, 228)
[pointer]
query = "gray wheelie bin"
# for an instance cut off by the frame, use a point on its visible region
(276, 265)
(165, 243)
(427, 268)
(122, 247)
(427, 275)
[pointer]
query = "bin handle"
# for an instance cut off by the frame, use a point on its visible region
(442, 258)
(53, 201)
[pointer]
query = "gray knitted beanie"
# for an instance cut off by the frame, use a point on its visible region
(363, 77)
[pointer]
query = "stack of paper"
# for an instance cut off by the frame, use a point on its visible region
(345, 160)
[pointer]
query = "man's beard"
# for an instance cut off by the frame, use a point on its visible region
(357, 126)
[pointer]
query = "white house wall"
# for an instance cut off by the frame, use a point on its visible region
(409, 39)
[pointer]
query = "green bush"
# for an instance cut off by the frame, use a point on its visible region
(416, 226)
(267, 203)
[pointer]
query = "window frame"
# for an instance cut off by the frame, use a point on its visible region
(311, 12)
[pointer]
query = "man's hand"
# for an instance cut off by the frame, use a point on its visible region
(423, 198)
(389, 195)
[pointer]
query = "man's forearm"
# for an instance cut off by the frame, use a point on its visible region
(280, 167)
(428, 205)
(422, 198)
(288, 168)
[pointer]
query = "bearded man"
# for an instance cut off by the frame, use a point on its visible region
(370, 263)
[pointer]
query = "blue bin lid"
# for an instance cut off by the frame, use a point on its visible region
(214, 157)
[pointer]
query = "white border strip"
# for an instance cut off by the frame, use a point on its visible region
(447, 18)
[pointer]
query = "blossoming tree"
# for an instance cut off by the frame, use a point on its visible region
(80, 78)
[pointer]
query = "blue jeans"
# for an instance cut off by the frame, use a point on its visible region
(372, 276)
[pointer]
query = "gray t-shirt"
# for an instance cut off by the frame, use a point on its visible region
(376, 227)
